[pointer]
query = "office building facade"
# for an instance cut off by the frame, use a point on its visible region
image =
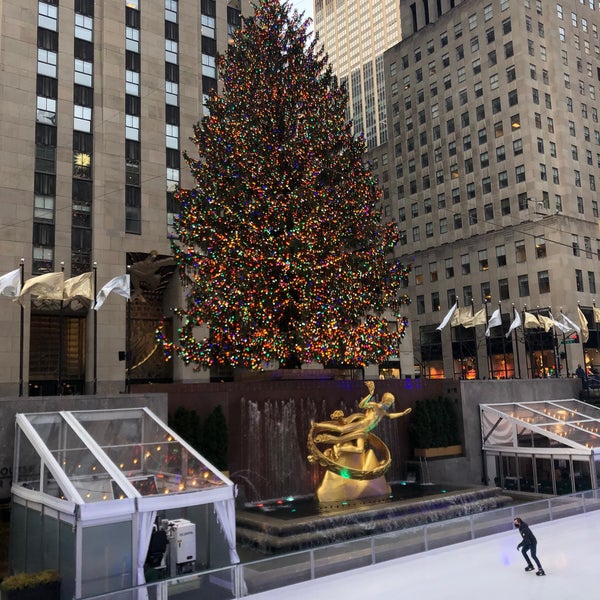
(491, 172)
(98, 102)
(355, 34)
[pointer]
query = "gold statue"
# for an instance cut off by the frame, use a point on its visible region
(356, 459)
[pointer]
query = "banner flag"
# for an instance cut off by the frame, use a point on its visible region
(585, 332)
(477, 319)
(495, 321)
(46, 287)
(10, 284)
(516, 323)
(447, 317)
(81, 286)
(119, 285)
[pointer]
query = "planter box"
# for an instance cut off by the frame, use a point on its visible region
(439, 452)
(48, 591)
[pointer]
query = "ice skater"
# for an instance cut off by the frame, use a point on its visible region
(528, 544)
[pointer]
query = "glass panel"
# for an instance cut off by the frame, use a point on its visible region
(452, 531)
(33, 533)
(341, 557)
(525, 474)
(399, 543)
(543, 469)
(66, 551)
(18, 522)
(50, 541)
(110, 568)
(29, 464)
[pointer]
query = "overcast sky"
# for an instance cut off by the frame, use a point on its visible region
(305, 6)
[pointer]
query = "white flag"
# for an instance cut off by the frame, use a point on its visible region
(570, 323)
(559, 325)
(447, 317)
(10, 284)
(119, 285)
(46, 287)
(495, 320)
(516, 323)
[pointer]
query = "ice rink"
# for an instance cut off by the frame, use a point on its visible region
(489, 568)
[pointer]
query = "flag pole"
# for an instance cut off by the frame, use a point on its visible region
(128, 343)
(475, 337)
(516, 348)
(95, 269)
(21, 331)
(503, 342)
(490, 362)
(565, 346)
(581, 340)
(60, 338)
(556, 350)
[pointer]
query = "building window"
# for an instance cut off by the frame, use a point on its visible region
(133, 209)
(132, 83)
(520, 254)
(543, 282)
(592, 282)
(449, 268)
(501, 255)
(82, 118)
(540, 246)
(523, 285)
(465, 264)
(467, 295)
(575, 244)
(503, 293)
(505, 206)
(83, 72)
(47, 16)
(579, 280)
(482, 257)
(433, 272)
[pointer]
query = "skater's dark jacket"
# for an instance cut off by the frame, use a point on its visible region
(528, 537)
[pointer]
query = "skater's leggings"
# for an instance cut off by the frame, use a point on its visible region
(531, 548)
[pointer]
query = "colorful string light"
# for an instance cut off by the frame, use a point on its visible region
(280, 245)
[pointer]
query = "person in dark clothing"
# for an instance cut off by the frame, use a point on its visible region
(582, 375)
(528, 544)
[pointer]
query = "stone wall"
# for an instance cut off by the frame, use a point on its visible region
(268, 422)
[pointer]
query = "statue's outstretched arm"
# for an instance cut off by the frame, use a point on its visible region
(400, 414)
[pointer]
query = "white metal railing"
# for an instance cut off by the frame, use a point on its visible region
(279, 571)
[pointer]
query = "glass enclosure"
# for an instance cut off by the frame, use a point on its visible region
(544, 447)
(91, 489)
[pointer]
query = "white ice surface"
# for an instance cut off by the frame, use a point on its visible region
(489, 568)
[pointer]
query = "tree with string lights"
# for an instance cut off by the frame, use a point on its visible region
(280, 245)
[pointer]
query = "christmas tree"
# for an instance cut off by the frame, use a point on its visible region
(280, 245)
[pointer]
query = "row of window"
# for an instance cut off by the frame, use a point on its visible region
(523, 290)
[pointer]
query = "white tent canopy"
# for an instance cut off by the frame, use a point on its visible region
(117, 468)
(550, 446)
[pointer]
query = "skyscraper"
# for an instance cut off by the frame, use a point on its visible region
(97, 102)
(355, 34)
(491, 174)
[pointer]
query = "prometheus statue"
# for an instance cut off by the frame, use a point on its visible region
(356, 459)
